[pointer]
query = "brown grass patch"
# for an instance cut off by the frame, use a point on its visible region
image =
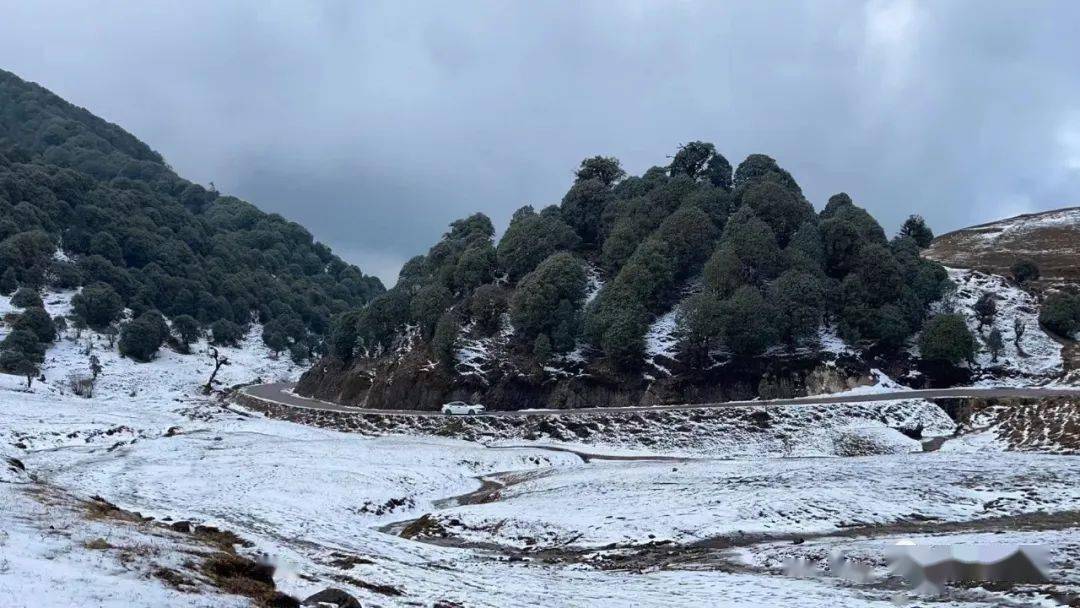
(224, 539)
(242, 576)
(98, 544)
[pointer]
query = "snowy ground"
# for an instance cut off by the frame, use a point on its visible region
(317, 501)
(1036, 358)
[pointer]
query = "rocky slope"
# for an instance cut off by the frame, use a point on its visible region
(505, 380)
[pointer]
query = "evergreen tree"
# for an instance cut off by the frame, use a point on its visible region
(21, 353)
(542, 350)
(428, 305)
(486, 307)
(26, 298)
(583, 206)
(700, 322)
(444, 341)
(8, 281)
(748, 322)
(141, 338)
(780, 208)
(186, 327)
(605, 169)
(799, 299)
(530, 239)
(276, 340)
(39, 322)
(623, 341)
(98, 305)
(947, 338)
(915, 227)
(535, 305)
(225, 333)
(18, 363)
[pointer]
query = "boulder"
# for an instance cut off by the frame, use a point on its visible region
(332, 598)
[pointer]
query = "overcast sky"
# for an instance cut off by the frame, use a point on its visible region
(376, 124)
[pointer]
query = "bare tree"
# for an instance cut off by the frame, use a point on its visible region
(1018, 332)
(219, 361)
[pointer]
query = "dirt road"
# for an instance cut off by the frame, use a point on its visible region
(281, 393)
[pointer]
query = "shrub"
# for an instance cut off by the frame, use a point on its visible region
(80, 385)
(1024, 270)
(947, 338)
(1060, 313)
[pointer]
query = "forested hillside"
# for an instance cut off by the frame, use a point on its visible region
(739, 259)
(85, 204)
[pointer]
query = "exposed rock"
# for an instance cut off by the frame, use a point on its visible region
(410, 381)
(181, 526)
(332, 598)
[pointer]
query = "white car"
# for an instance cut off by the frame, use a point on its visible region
(460, 408)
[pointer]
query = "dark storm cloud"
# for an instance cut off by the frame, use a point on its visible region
(375, 124)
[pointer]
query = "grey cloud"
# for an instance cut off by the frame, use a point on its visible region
(375, 124)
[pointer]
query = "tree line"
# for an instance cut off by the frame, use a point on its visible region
(749, 263)
(85, 204)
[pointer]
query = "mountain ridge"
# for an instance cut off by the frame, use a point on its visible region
(85, 204)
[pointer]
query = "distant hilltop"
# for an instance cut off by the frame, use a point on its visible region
(1051, 239)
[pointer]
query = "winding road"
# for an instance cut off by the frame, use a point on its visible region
(281, 394)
